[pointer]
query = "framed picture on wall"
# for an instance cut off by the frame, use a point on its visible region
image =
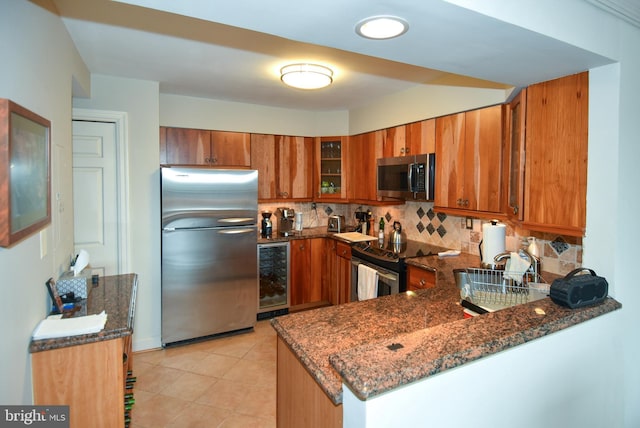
(25, 173)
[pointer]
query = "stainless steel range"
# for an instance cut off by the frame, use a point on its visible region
(389, 260)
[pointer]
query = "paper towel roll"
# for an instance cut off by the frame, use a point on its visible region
(493, 241)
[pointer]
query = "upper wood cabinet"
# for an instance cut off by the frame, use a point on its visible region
(284, 164)
(515, 155)
(556, 155)
(410, 139)
(469, 162)
(364, 149)
(185, 146)
(331, 180)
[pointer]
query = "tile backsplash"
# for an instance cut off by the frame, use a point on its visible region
(559, 254)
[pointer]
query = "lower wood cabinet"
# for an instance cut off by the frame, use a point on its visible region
(307, 270)
(300, 400)
(343, 272)
(90, 379)
(419, 279)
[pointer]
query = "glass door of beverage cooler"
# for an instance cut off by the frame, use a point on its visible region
(273, 265)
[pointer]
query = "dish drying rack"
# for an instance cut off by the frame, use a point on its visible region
(496, 289)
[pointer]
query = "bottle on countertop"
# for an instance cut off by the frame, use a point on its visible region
(381, 231)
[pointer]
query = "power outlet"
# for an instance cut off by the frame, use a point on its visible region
(469, 223)
(313, 205)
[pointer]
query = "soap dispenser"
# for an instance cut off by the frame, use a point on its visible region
(534, 250)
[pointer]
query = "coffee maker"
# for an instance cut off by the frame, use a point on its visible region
(266, 226)
(362, 221)
(285, 222)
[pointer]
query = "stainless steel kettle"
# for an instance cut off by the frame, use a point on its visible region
(396, 233)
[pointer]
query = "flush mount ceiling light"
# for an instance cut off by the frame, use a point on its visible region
(306, 76)
(382, 27)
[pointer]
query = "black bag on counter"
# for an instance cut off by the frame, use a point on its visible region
(576, 291)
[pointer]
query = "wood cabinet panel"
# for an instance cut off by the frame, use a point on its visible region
(364, 150)
(230, 149)
(343, 272)
(483, 159)
(515, 121)
(186, 146)
(420, 279)
(88, 378)
(284, 166)
(469, 161)
(295, 161)
(300, 401)
(306, 270)
(421, 137)
(556, 155)
(263, 159)
(329, 274)
(450, 157)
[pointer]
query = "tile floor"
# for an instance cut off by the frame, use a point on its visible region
(227, 382)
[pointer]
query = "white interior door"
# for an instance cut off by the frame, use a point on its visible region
(95, 194)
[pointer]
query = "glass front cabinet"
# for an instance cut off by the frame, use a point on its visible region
(330, 166)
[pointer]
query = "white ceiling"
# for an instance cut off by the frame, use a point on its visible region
(232, 50)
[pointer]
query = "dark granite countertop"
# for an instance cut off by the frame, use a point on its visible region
(116, 295)
(307, 233)
(349, 343)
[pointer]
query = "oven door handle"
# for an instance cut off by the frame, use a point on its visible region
(383, 275)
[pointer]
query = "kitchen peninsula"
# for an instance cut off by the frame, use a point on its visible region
(376, 347)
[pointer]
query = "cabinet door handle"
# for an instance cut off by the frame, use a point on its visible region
(515, 209)
(406, 150)
(422, 282)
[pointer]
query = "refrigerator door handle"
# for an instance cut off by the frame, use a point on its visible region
(237, 220)
(235, 231)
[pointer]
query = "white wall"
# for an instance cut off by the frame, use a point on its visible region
(191, 112)
(421, 102)
(140, 100)
(418, 103)
(38, 62)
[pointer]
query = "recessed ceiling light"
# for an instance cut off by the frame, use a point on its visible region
(306, 76)
(382, 27)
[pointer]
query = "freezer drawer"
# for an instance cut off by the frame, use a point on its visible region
(209, 281)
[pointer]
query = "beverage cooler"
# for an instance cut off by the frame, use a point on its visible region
(273, 263)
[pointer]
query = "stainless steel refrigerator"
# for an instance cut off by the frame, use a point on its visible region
(209, 252)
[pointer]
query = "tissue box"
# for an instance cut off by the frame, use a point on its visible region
(79, 284)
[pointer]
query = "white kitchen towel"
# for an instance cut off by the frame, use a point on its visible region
(54, 326)
(516, 267)
(367, 282)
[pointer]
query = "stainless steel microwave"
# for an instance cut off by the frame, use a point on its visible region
(407, 177)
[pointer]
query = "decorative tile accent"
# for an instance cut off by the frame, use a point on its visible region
(442, 231)
(388, 217)
(420, 227)
(442, 217)
(430, 229)
(431, 214)
(559, 245)
(328, 210)
(420, 213)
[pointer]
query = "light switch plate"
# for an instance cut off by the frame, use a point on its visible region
(43, 243)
